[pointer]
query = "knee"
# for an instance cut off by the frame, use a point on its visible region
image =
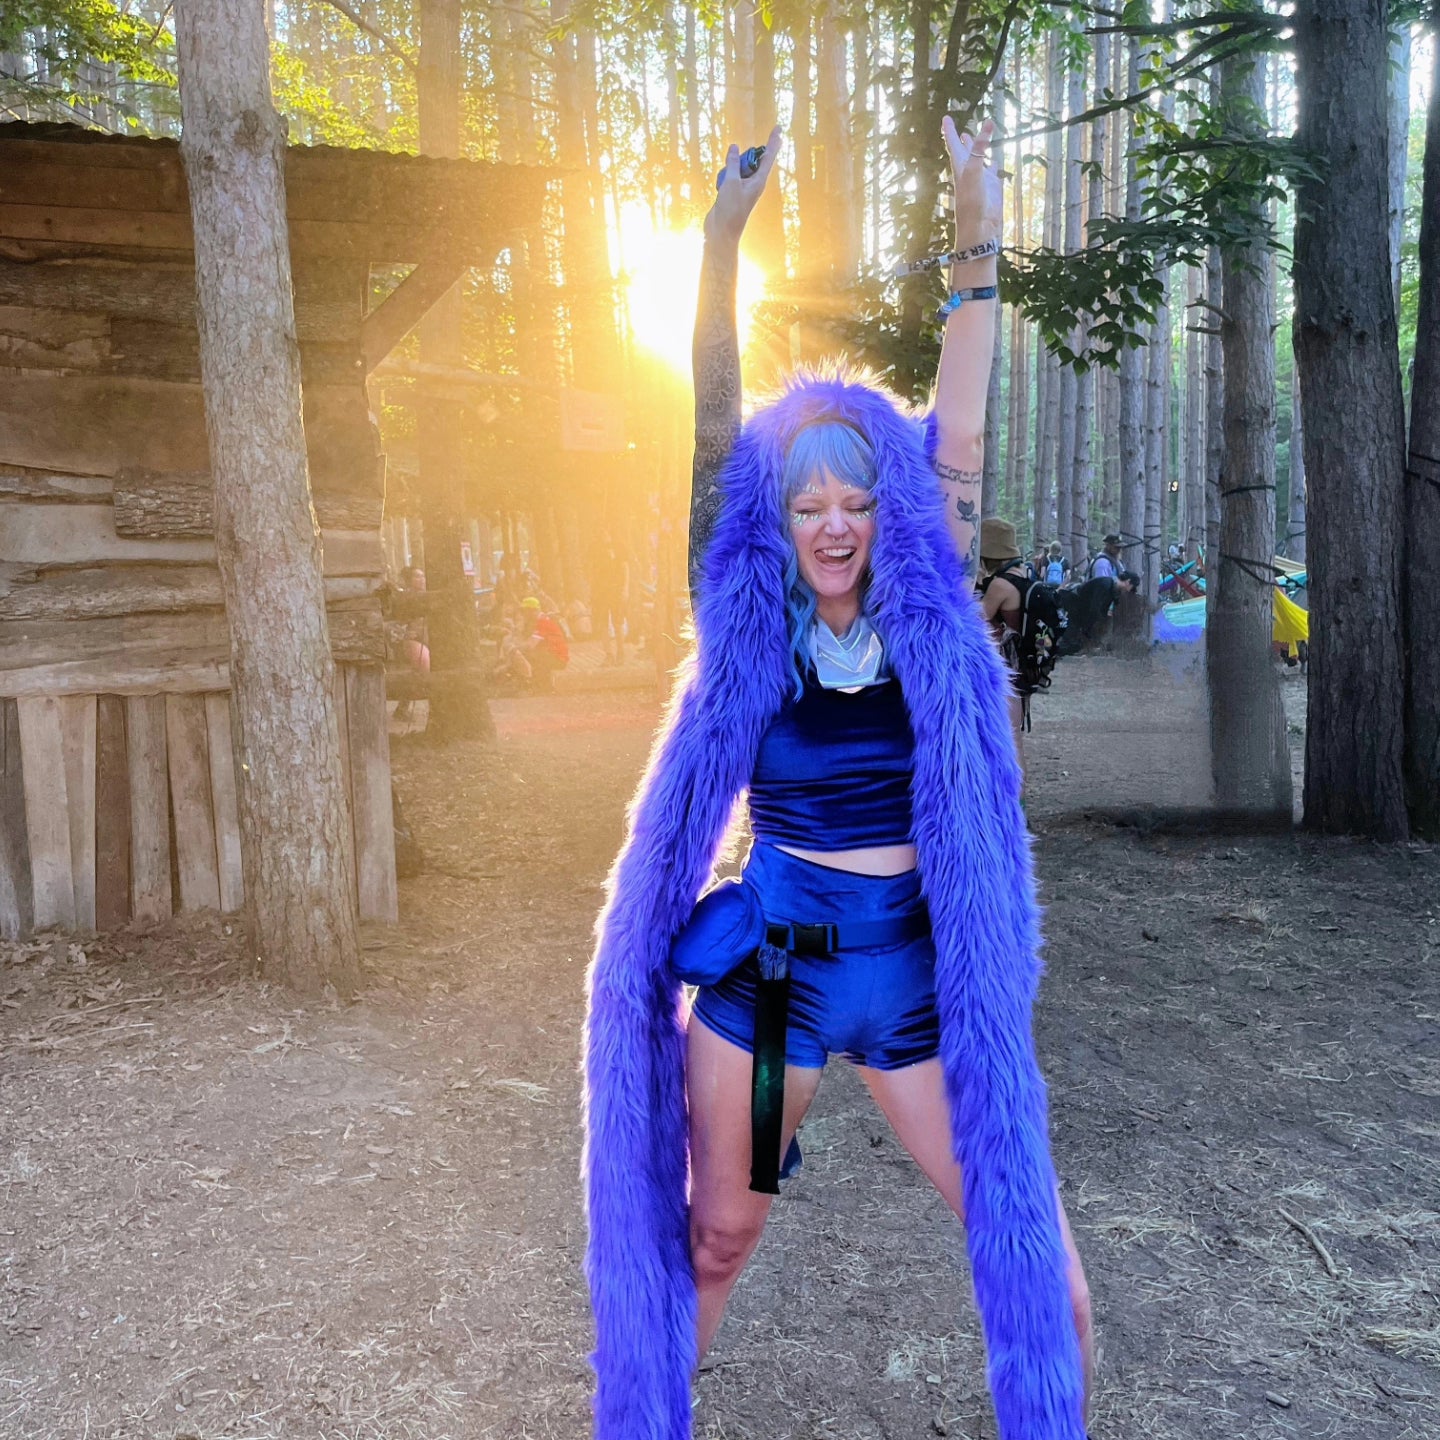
(720, 1248)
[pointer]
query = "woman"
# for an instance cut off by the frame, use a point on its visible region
(843, 675)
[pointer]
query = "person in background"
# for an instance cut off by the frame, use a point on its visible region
(415, 638)
(533, 651)
(1037, 562)
(1106, 565)
(1056, 566)
(609, 592)
(1088, 606)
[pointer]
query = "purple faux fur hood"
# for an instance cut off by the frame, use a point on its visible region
(975, 867)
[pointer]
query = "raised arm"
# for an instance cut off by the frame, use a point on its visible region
(715, 352)
(967, 344)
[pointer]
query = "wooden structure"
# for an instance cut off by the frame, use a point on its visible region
(117, 779)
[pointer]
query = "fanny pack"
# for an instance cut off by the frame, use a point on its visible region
(727, 927)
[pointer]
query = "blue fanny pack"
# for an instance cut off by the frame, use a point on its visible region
(726, 927)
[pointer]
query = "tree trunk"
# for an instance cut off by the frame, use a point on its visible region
(834, 125)
(1248, 750)
(1295, 518)
(1214, 402)
(458, 708)
(990, 480)
(296, 845)
(1017, 452)
(1077, 541)
(1048, 478)
(1398, 156)
(1157, 413)
(1132, 390)
(767, 223)
(1354, 424)
(696, 182)
(1066, 449)
(1192, 532)
(1422, 512)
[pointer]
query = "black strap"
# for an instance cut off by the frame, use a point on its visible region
(784, 938)
(767, 1086)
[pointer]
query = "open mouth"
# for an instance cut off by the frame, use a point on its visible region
(835, 557)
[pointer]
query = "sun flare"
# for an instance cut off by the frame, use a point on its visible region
(661, 271)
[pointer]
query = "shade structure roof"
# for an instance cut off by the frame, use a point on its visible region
(92, 192)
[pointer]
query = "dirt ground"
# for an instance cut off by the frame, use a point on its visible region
(224, 1213)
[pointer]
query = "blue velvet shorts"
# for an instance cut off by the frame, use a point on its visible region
(875, 1007)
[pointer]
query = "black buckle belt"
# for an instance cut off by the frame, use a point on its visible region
(784, 938)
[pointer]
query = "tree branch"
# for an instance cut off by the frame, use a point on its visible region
(374, 32)
(1125, 102)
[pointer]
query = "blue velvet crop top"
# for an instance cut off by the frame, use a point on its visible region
(833, 771)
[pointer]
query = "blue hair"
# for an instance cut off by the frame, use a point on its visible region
(841, 450)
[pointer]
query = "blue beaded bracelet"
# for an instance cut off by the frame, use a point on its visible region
(959, 297)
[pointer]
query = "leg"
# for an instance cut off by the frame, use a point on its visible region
(1017, 729)
(726, 1216)
(914, 1101)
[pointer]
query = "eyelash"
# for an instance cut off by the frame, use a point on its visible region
(803, 517)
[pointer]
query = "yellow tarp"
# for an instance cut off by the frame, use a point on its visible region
(1292, 624)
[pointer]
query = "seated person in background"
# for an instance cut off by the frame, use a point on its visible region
(1088, 606)
(414, 635)
(532, 651)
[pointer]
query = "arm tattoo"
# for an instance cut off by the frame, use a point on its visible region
(715, 358)
(963, 489)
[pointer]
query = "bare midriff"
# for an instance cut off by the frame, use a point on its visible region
(873, 860)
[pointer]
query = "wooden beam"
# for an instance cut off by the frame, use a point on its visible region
(18, 483)
(103, 425)
(97, 592)
(329, 298)
(47, 811)
(40, 535)
(403, 309)
(138, 654)
(112, 815)
(77, 721)
(99, 424)
(371, 807)
(370, 204)
(187, 741)
(225, 799)
(16, 911)
(166, 506)
(149, 767)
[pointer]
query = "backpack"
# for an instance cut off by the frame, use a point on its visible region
(1055, 572)
(1032, 650)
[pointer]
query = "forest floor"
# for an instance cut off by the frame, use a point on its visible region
(227, 1213)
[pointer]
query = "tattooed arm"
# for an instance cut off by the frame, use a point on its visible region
(715, 353)
(715, 360)
(967, 346)
(960, 490)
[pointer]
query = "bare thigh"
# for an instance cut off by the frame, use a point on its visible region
(915, 1103)
(718, 1081)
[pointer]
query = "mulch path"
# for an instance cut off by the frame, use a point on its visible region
(227, 1213)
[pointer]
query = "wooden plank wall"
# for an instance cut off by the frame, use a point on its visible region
(115, 742)
(96, 790)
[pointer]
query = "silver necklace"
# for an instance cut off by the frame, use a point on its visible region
(847, 662)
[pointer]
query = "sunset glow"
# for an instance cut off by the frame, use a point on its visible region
(661, 271)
